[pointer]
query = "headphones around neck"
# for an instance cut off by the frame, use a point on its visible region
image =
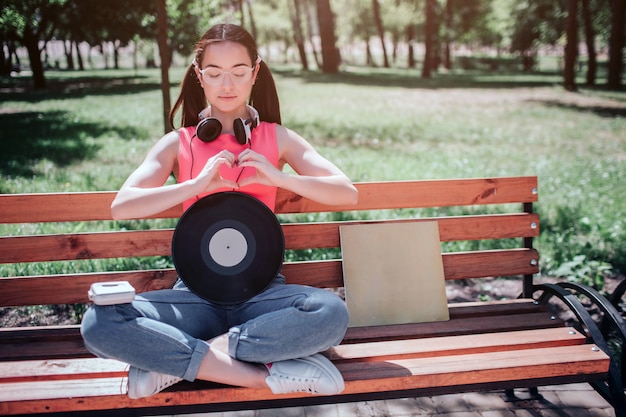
(209, 128)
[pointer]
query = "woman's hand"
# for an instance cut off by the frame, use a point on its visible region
(209, 177)
(266, 173)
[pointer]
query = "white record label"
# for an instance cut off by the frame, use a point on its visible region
(228, 247)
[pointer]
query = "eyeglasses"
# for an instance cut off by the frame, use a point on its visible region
(238, 75)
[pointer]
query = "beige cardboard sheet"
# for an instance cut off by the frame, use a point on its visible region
(393, 273)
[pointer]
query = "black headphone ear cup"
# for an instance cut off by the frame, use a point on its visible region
(208, 129)
(242, 131)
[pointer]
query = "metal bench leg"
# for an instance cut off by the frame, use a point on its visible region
(533, 394)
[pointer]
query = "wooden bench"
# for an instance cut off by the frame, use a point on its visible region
(486, 227)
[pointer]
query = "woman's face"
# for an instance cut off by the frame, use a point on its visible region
(227, 75)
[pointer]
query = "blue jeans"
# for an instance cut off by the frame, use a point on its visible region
(166, 331)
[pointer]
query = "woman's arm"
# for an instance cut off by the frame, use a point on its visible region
(144, 193)
(318, 179)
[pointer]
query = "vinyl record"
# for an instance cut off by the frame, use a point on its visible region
(228, 247)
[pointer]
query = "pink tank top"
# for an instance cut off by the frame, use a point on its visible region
(263, 141)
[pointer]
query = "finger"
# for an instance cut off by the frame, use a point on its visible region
(229, 184)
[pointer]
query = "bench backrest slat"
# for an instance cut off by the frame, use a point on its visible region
(60, 207)
(119, 244)
(71, 289)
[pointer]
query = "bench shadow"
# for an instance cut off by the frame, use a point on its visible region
(28, 137)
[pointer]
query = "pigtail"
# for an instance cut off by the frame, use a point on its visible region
(191, 99)
(264, 97)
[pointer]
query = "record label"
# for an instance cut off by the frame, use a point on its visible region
(228, 247)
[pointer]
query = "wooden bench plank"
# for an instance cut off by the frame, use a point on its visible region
(135, 243)
(425, 193)
(477, 368)
(56, 342)
(393, 375)
(455, 345)
(51, 369)
(101, 245)
(37, 290)
(63, 369)
(71, 344)
(61, 207)
(451, 327)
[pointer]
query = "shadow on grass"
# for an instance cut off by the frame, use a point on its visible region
(601, 111)
(28, 137)
(412, 79)
(20, 89)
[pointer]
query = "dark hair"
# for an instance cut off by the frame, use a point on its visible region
(264, 97)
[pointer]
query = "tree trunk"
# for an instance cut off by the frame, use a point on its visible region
(164, 56)
(116, 55)
(571, 47)
(309, 29)
(378, 21)
(369, 59)
(69, 56)
(330, 53)
(297, 32)
(616, 44)
(447, 60)
(592, 65)
(79, 57)
(5, 61)
(410, 37)
(31, 42)
(429, 38)
(239, 6)
(253, 30)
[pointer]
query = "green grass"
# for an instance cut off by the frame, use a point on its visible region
(91, 129)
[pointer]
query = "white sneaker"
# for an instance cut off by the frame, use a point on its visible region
(313, 374)
(145, 383)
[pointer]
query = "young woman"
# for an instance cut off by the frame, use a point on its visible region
(273, 339)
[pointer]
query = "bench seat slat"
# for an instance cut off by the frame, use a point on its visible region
(479, 367)
(16, 291)
(451, 327)
(401, 375)
(57, 370)
(62, 342)
(37, 370)
(455, 345)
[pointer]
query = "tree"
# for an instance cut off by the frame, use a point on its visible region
(356, 23)
(616, 44)
(164, 54)
(330, 54)
(589, 42)
(308, 6)
(465, 21)
(296, 20)
(29, 22)
(535, 23)
(571, 46)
